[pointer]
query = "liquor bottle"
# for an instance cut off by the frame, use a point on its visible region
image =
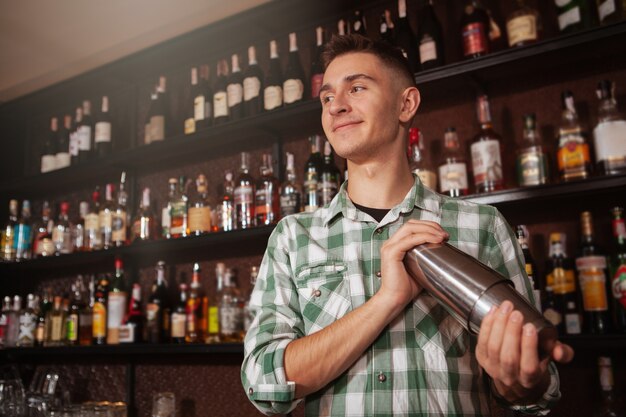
(573, 15)
(189, 124)
(166, 221)
(610, 11)
(560, 276)
(290, 191)
(429, 38)
(85, 134)
(74, 137)
(105, 217)
(573, 154)
(572, 319)
(12, 329)
(293, 84)
(248, 313)
(93, 238)
(116, 304)
(131, 330)
(4, 320)
(159, 121)
(273, 87)
(521, 231)
(177, 207)
(147, 132)
(100, 312)
(312, 176)
(199, 209)
(62, 232)
(23, 234)
(453, 180)
(342, 27)
(234, 90)
(532, 162)
(44, 307)
(405, 38)
(8, 234)
(244, 195)
(618, 271)
(48, 155)
(213, 329)
(252, 85)
(119, 224)
(73, 325)
(609, 135)
(179, 317)
(523, 25)
(220, 94)
(28, 322)
(144, 224)
(419, 162)
(330, 178)
(226, 210)
(55, 324)
(475, 28)
(592, 277)
(230, 310)
(386, 28)
(203, 100)
(611, 404)
(78, 230)
(85, 315)
(102, 137)
(317, 66)
(194, 332)
(62, 156)
(266, 195)
(42, 240)
(357, 24)
(157, 309)
(486, 150)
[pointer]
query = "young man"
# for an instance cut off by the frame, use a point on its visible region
(340, 322)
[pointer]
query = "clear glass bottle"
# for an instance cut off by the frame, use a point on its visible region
(231, 310)
(12, 329)
(105, 217)
(177, 208)
(486, 150)
(420, 161)
(312, 176)
(226, 210)
(8, 234)
(62, 232)
(4, 320)
(523, 24)
(78, 232)
(244, 195)
(267, 200)
(55, 324)
(611, 404)
(144, 224)
(290, 190)
(42, 240)
(453, 178)
(28, 322)
(330, 176)
(609, 135)
(248, 313)
(119, 225)
(200, 209)
(573, 157)
(93, 239)
(23, 234)
(532, 162)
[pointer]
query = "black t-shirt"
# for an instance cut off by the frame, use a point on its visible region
(376, 213)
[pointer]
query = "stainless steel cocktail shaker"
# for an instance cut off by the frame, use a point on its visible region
(468, 289)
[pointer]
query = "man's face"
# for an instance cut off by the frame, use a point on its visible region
(361, 102)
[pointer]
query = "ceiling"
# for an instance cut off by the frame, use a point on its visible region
(43, 42)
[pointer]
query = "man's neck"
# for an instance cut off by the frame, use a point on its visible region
(380, 185)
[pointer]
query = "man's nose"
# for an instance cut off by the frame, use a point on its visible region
(339, 105)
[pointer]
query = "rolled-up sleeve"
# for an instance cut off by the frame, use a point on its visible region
(277, 322)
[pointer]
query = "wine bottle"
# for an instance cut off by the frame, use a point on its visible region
(611, 11)
(273, 91)
(252, 85)
(573, 15)
(189, 124)
(158, 118)
(234, 90)
(429, 38)
(85, 134)
(317, 67)
(220, 96)
(293, 84)
(386, 28)
(48, 155)
(74, 136)
(102, 138)
(147, 131)
(62, 157)
(532, 161)
(203, 101)
(358, 25)
(405, 38)
(486, 150)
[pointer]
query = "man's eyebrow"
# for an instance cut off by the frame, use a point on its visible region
(348, 78)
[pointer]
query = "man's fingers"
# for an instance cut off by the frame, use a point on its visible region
(497, 331)
(562, 353)
(483, 334)
(510, 350)
(529, 363)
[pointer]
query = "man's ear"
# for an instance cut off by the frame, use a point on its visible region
(410, 103)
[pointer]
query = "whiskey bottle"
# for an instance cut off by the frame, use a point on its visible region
(226, 210)
(486, 150)
(317, 66)
(560, 277)
(177, 208)
(199, 209)
(55, 324)
(609, 135)
(532, 162)
(77, 305)
(252, 85)
(42, 240)
(189, 124)
(147, 131)
(611, 404)
(203, 100)
(100, 313)
(244, 195)
(290, 191)
(194, 332)
(105, 217)
(131, 330)
(220, 95)
(230, 310)
(23, 234)
(573, 154)
(293, 84)
(144, 224)
(157, 309)
(78, 120)
(266, 196)
(62, 157)
(85, 134)
(78, 231)
(119, 225)
(159, 123)
(429, 38)
(116, 304)
(8, 234)
(573, 15)
(28, 323)
(44, 307)
(12, 329)
(405, 37)
(592, 277)
(273, 90)
(48, 155)
(475, 28)
(523, 25)
(179, 317)
(521, 231)
(102, 137)
(453, 180)
(213, 323)
(62, 232)
(419, 162)
(357, 24)
(93, 239)
(234, 90)
(618, 271)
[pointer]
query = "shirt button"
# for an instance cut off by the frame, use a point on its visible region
(250, 391)
(379, 231)
(317, 293)
(382, 377)
(378, 274)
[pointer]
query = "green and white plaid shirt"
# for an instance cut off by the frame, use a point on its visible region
(319, 266)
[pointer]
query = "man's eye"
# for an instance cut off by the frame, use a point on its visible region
(357, 88)
(327, 99)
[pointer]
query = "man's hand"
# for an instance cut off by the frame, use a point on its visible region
(397, 286)
(508, 351)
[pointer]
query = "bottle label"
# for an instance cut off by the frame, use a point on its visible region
(251, 88)
(44, 245)
(214, 320)
(72, 328)
(127, 333)
(562, 281)
(522, 29)
(225, 216)
(428, 50)
(605, 9)
(118, 227)
(92, 223)
(157, 128)
(178, 213)
(48, 163)
(427, 177)
(28, 325)
(573, 157)
(189, 126)
(199, 111)
(553, 316)
(105, 220)
(572, 323)
(244, 195)
(289, 204)
(316, 83)
(231, 320)
(56, 329)
(593, 282)
(103, 132)
(220, 104)
(531, 167)
(569, 17)
(619, 284)
(116, 308)
(73, 144)
(293, 90)
(609, 139)
(619, 228)
(235, 94)
(178, 325)
(199, 219)
(272, 97)
(84, 138)
(62, 160)
(166, 220)
(453, 177)
(22, 237)
(152, 312)
(486, 161)
(475, 39)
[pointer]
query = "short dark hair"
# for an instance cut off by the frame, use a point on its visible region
(387, 53)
